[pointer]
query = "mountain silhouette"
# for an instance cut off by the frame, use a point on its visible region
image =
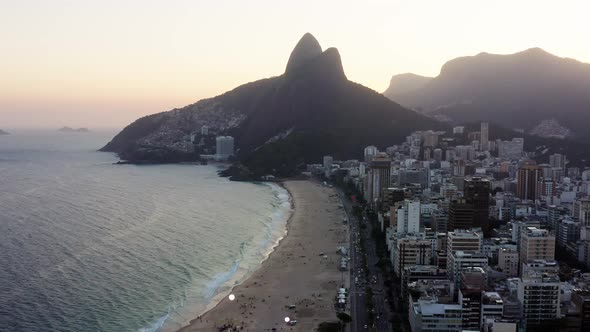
(306, 50)
(281, 122)
(518, 91)
(403, 84)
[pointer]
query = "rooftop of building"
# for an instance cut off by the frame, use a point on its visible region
(468, 254)
(401, 189)
(541, 263)
(532, 276)
(432, 288)
(532, 231)
(463, 233)
(490, 298)
(473, 269)
(381, 157)
(424, 269)
(477, 179)
(411, 237)
(567, 220)
(584, 293)
(534, 222)
(430, 308)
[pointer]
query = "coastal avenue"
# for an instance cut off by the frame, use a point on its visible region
(358, 301)
(357, 297)
(379, 302)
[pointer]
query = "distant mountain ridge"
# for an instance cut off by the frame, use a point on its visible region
(520, 90)
(280, 122)
(67, 129)
(404, 84)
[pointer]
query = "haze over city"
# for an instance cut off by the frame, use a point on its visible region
(104, 64)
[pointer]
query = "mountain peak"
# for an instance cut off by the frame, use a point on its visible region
(536, 50)
(326, 67)
(405, 83)
(278, 123)
(306, 49)
(330, 64)
(530, 51)
(537, 53)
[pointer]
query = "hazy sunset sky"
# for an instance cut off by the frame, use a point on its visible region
(105, 63)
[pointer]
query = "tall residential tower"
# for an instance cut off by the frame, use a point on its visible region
(485, 143)
(528, 178)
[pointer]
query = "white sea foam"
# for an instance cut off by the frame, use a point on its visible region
(275, 228)
(252, 254)
(222, 278)
(156, 325)
(139, 246)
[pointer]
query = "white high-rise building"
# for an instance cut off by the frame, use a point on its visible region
(536, 244)
(448, 190)
(465, 152)
(428, 315)
(557, 160)
(430, 139)
(437, 154)
(492, 306)
(459, 260)
(408, 217)
(415, 152)
(411, 250)
(370, 152)
(379, 176)
(328, 160)
(485, 144)
(539, 294)
(451, 154)
(519, 227)
(511, 149)
(204, 130)
(463, 240)
(224, 147)
(508, 261)
(581, 210)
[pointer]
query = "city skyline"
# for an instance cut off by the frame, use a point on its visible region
(104, 65)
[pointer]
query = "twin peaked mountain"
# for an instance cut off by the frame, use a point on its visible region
(281, 122)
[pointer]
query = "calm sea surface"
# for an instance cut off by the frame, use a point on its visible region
(86, 245)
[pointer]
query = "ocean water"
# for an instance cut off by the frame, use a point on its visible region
(86, 245)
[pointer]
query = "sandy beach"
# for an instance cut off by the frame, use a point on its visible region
(294, 274)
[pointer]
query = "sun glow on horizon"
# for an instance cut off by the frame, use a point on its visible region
(107, 63)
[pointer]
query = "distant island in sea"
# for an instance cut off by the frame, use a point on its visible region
(2, 132)
(73, 130)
